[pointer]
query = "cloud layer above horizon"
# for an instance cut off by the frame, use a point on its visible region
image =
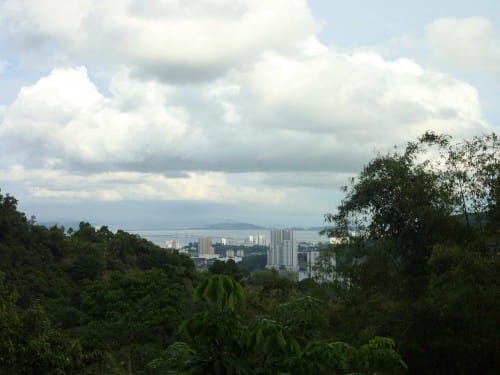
(217, 100)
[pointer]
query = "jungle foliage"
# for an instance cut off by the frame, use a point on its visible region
(90, 301)
(419, 254)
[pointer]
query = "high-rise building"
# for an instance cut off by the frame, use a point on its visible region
(205, 246)
(282, 253)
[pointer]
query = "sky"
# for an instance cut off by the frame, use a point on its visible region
(168, 113)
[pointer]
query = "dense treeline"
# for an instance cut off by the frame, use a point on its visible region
(423, 267)
(87, 301)
(415, 288)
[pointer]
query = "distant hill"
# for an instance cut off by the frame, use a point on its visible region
(229, 226)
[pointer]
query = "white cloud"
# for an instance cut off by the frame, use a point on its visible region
(470, 44)
(323, 112)
(362, 98)
(223, 95)
(50, 18)
(175, 40)
(64, 117)
(111, 186)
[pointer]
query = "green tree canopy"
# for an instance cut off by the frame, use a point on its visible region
(222, 291)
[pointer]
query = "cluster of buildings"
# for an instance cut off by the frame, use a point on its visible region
(206, 255)
(283, 254)
(259, 239)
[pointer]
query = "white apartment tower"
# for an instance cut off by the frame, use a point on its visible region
(282, 253)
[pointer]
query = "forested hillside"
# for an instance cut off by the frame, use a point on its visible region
(86, 301)
(416, 288)
(94, 302)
